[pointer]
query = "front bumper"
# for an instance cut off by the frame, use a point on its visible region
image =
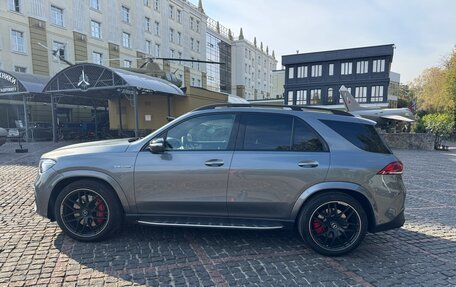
(43, 189)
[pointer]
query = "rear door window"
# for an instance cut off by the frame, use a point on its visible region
(306, 139)
(272, 132)
(267, 132)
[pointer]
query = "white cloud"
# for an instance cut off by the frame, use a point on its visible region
(423, 31)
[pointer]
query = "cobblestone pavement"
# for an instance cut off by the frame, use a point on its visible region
(33, 251)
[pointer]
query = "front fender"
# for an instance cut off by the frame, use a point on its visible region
(346, 186)
(97, 175)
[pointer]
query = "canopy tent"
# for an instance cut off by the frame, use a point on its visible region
(20, 86)
(87, 83)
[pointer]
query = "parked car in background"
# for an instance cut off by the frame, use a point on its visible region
(324, 172)
(40, 131)
(3, 136)
(15, 134)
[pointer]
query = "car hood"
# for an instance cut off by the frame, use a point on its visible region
(106, 146)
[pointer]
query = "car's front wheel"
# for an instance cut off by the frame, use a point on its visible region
(88, 210)
(333, 223)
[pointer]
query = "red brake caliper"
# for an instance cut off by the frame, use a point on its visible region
(101, 207)
(317, 226)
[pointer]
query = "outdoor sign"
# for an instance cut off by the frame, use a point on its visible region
(8, 83)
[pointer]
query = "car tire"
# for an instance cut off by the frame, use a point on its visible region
(88, 210)
(332, 223)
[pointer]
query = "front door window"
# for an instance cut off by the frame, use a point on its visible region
(209, 132)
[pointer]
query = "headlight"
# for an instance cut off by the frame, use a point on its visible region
(46, 164)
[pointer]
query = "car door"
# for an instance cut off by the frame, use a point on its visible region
(277, 157)
(190, 177)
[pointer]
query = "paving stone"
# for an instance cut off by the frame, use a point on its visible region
(34, 252)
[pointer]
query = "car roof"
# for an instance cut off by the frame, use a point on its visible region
(300, 111)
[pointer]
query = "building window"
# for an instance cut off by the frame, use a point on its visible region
(316, 71)
(346, 68)
(362, 67)
(95, 4)
(191, 23)
(157, 28)
(97, 58)
(291, 73)
(14, 5)
(126, 40)
(95, 29)
(125, 14)
(17, 41)
(197, 26)
(148, 47)
(315, 97)
(171, 11)
(179, 38)
(20, 69)
(197, 45)
(377, 94)
(127, 63)
(331, 70)
(301, 97)
(179, 16)
(330, 98)
(57, 16)
(378, 66)
(157, 50)
(290, 98)
(361, 94)
(302, 72)
(192, 44)
(146, 2)
(147, 24)
(60, 48)
(171, 35)
(157, 5)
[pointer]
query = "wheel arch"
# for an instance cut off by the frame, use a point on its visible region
(354, 190)
(76, 176)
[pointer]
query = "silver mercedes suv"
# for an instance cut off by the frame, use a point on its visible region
(324, 172)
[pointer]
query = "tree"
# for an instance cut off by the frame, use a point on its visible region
(428, 90)
(441, 125)
(450, 81)
(435, 88)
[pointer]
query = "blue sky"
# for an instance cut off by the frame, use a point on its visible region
(424, 32)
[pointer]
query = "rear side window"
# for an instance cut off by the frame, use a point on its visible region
(271, 132)
(363, 136)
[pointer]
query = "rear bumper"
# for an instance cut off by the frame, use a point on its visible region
(397, 222)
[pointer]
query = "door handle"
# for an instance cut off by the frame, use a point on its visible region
(308, 163)
(214, 162)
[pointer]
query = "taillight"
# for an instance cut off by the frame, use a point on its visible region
(393, 168)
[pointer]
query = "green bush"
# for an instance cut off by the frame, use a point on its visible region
(441, 125)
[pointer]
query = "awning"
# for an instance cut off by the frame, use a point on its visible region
(85, 78)
(12, 83)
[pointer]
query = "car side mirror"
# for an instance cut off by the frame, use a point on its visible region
(157, 145)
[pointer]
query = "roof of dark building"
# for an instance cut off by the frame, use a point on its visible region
(335, 55)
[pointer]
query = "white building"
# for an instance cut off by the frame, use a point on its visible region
(112, 33)
(123, 33)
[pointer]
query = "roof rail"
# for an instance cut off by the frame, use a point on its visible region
(291, 107)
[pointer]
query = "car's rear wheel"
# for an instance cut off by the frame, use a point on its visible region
(333, 223)
(88, 210)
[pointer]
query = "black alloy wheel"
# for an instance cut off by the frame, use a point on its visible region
(333, 223)
(87, 210)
